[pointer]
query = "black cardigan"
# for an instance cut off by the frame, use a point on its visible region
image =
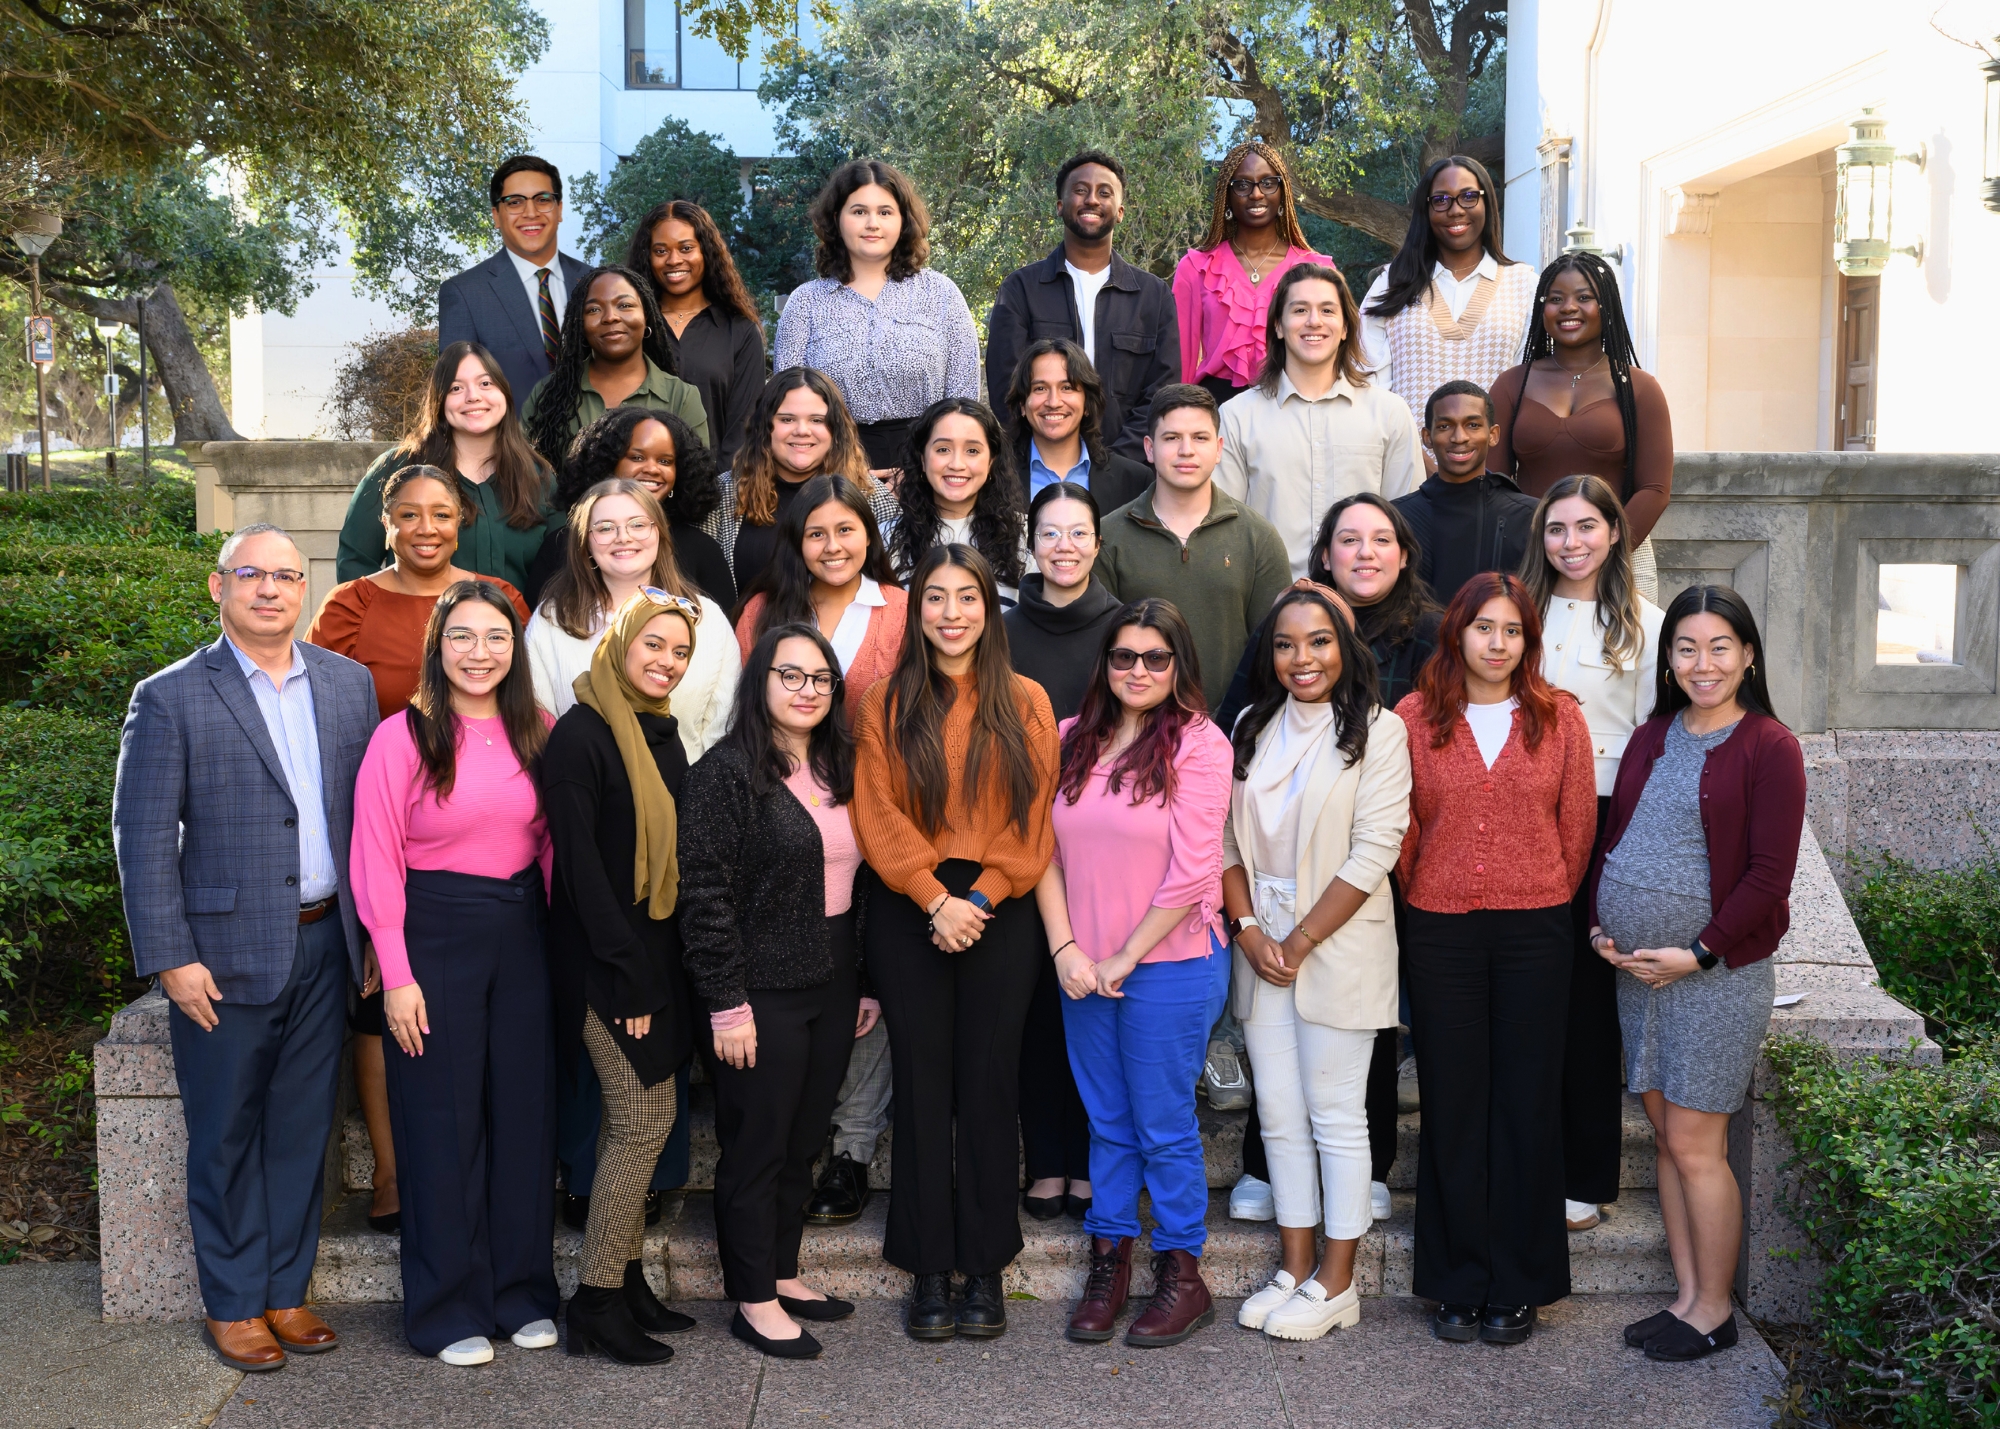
(1056, 645)
(753, 887)
(604, 950)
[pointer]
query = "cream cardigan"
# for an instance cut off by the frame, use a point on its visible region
(1351, 825)
(701, 702)
(1615, 702)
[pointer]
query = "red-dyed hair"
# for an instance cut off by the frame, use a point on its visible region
(1148, 760)
(1441, 683)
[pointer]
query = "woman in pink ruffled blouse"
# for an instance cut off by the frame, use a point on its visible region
(1222, 289)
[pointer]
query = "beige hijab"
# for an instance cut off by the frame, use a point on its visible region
(606, 688)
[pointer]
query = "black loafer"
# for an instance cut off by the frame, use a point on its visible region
(1456, 1322)
(653, 1201)
(1506, 1324)
(830, 1308)
(930, 1315)
(1640, 1331)
(842, 1193)
(805, 1347)
(1043, 1208)
(1077, 1206)
(1681, 1342)
(575, 1211)
(391, 1224)
(982, 1308)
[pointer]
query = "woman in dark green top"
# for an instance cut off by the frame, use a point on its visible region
(616, 351)
(467, 428)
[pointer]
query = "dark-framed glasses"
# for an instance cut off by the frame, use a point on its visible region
(795, 679)
(1158, 662)
(464, 641)
(1467, 199)
(254, 575)
(514, 203)
(1269, 184)
(668, 600)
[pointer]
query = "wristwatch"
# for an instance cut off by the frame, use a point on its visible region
(1704, 956)
(1237, 925)
(980, 901)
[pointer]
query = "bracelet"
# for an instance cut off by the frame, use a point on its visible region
(932, 911)
(1059, 951)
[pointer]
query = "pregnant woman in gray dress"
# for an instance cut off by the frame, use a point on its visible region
(1690, 896)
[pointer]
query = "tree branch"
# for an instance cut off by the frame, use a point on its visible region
(88, 32)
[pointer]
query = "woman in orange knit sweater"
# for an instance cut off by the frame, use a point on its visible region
(1503, 808)
(955, 770)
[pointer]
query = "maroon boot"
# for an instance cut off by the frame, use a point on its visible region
(1096, 1315)
(1180, 1303)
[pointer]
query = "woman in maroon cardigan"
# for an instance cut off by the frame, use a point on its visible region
(1690, 897)
(1503, 808)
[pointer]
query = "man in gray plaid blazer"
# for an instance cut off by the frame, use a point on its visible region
(232, 817)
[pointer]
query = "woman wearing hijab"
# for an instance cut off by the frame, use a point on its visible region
(610, 776)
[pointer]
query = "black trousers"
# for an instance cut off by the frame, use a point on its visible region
(885, 441)
(1593, 1055)
(1055, 1132)
(771, 1121)
(955, 1024)
(474, 1117)
(1489, 994)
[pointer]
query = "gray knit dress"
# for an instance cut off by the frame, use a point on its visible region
(1695, 1040)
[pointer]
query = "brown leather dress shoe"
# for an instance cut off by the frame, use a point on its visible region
(1180, 1304)
(301, 1331)
(244, 1344)
(1104, 1293)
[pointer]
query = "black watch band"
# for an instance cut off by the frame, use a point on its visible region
(1704, 957)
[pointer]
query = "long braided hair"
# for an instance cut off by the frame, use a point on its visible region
(1222, 225)
(555, 413)
(1615, 337)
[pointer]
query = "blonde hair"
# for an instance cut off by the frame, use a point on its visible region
(576, 596)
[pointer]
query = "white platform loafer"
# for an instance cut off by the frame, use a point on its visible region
(1311, 1312)
(1257, 1309)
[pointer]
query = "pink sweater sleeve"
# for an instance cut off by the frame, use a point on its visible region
(1202, 773)
(377, 865)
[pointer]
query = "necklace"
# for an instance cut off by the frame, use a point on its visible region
(1576, 377)
(1253, 266)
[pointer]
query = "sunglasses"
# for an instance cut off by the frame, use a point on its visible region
(1158, 662)
(669, 601)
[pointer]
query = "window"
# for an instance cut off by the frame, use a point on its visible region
(662, 52)
(1916, 620)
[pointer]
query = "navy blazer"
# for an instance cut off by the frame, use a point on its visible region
(204, 824)
(489, 305)
(1137, 336)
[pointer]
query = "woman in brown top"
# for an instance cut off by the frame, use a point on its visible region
(955, 771)
(1579, 404)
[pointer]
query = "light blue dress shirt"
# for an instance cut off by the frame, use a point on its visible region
(288, 715)
(1040, 474)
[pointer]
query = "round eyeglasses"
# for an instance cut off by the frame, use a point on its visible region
(1467, 199)
(795, 679)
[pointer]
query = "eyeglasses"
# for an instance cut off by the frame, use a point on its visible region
(678, 603)
(1078, 535)
(1467, 199)
(1269, 184)
(464, 642)
(638, 528)
(514, 203)
(795, 679)
(1158, 662)
(252, 575)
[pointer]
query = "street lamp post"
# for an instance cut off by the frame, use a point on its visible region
(36, 231)
(109, 331)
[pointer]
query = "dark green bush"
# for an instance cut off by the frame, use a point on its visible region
(1899, 1191)
(1934, 935)
(160, 515)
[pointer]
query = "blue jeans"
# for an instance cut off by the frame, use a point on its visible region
(1136, 1060)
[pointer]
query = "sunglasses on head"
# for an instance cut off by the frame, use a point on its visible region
(1158, 662)
(667, 599)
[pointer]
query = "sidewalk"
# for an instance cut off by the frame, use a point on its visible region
(65, 1370)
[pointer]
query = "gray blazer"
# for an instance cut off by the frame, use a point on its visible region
(204, 825)
(489, 306)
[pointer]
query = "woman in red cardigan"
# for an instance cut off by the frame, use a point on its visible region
(1503, 808)
(1690, 897)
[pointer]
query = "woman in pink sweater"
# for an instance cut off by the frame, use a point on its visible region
(450, 863)
(1503, 808)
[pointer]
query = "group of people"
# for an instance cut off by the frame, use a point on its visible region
(1257, 668)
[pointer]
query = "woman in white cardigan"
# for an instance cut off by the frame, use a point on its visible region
(1601, 642)
(617, 544)
(1316, 819)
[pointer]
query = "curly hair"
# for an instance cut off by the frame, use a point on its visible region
(1222, 225)
(756, 474)
(1355, 694)
(912, 249)
(721, 284)
(997, 518)
(1441, 683)
(595, 453)
(555, 414)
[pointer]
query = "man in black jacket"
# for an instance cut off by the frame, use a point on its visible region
(1122, 316)
(1466, 519)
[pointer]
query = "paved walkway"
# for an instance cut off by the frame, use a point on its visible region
(65, 1370)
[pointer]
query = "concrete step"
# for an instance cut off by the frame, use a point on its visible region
(1221, 1135)
(1625, 1254)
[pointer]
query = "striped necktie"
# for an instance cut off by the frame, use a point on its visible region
(546, 308)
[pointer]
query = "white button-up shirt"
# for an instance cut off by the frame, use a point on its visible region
(1457, 292)
(558, 290)
(288, 716)
(852, 627)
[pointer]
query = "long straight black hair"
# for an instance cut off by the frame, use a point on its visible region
(1410, 269)
(1355, 694)
(829, 749)
(1616, 338)
(1754, 693)
(787, 583)
(434, 724)
(1409, 600)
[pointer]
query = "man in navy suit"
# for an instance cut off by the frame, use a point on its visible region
(232, 816)
(513, 304)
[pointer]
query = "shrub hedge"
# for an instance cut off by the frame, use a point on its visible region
(1934, 935)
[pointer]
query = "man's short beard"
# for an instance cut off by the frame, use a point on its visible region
(1110, 227)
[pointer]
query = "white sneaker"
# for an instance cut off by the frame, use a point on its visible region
(1378, 1200)
(1223, 1077)
(1251, 1200)
(477, 1350)
(536, 1335)
(1310, 1313)
(1581, 1215)
(1257, 1309)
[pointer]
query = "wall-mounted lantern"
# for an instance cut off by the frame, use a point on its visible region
(1864, 193)
(1990, 190)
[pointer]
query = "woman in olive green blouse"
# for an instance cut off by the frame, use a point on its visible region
(467, 428)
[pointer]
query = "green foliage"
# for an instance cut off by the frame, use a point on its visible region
(1934, 934)
(161, 515)
(729, 22)
(674, 161)
(775, 250)
(1899, 1191)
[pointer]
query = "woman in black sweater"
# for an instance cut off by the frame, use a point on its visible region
(769, 917)
(610, 776)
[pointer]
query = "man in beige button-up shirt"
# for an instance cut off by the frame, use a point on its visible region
(1323, 436)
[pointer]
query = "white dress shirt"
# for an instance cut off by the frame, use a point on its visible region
(1457, 292)
(288, 716)
(847, 636)
(558, 291)
(1088, 286)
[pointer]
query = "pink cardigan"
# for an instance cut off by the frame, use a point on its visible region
(1222, 312)
(877, 655)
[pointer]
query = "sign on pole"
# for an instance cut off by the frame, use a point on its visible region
(41, 340)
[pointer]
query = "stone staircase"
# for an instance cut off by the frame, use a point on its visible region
(1627, 1253)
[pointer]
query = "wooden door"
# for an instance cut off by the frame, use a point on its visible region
(1860, 307)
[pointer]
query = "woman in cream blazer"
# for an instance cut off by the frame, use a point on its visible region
(1601, 642)
(1316, 819)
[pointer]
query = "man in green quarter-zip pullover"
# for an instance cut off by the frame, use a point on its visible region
(1219, 562)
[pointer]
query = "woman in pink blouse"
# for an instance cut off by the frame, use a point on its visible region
(1222, 289)
(450, 863)
(1131, 904)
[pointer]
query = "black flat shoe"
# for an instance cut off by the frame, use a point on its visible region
(930, 1316)
(391, 1224)
(1077, 1206)
(1506, 1324)
(982, 1308)
(830, 1308)
(653, 1202)
(1043, 1208)
(1640, 1331)
(805, 1347)
(575, 1211)
(842, 1193)
(1456, 1322)
(653, 1317)
(1681, 1342)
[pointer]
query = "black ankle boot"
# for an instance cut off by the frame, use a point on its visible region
(982, 1308)
(651, 1315)
(930, 1315)
(599, 1319)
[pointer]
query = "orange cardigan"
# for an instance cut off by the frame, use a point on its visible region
(875, 658)
(976, 827)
